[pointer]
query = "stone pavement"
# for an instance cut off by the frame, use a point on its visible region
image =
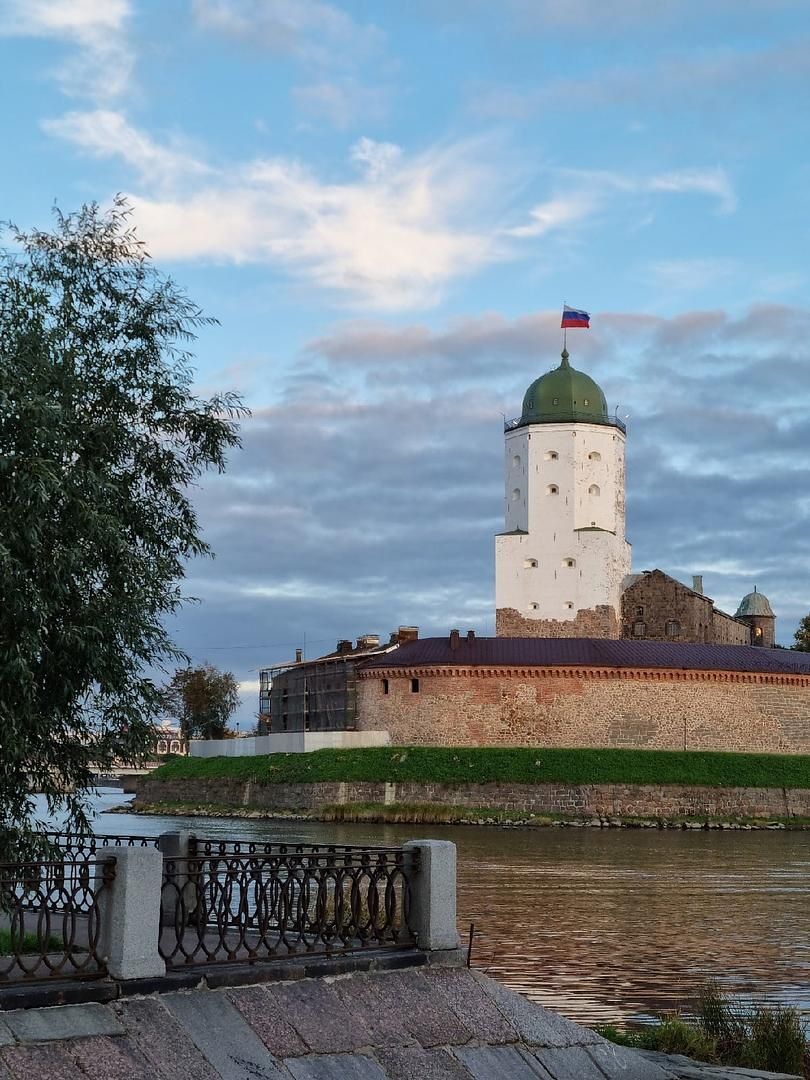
(418, 1024)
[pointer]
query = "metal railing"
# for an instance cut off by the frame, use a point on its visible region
(554, 418)
(222, 906)
(78, 845)
(50, 918)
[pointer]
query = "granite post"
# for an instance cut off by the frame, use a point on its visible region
(130, 915)
(433, 895)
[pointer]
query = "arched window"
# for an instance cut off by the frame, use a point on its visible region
(585, 401)
(551, 455)
(594, 490)
(533, 606)
(552, 489)
(569, 562)
(673, 628)
(515, 494)
(569, 605)
(516, 461)
(639, 628)
(530, 564)
(594, 456)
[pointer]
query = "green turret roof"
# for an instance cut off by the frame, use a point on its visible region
(563, 395)
(755, 603)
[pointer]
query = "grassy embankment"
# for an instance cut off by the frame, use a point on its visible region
(726, 1032)
(485, 765)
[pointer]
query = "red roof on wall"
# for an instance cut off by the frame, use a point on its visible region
(592, 652)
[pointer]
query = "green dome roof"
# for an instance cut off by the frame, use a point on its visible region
(562, 395)
(755, 603)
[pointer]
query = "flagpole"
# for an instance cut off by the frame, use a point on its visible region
(565, 331)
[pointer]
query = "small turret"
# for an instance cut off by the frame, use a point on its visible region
(756, 611)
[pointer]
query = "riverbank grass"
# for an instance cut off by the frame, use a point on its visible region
(487, 765)
(725, 1032)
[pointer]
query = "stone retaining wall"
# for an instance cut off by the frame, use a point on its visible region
(620, 800)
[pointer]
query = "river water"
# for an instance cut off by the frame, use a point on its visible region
(604, 925)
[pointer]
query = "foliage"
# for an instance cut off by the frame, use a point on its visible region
(521, 765)
(726, 1032)
(101, 436)
(29, 944)
(202, 700)
(802, 635)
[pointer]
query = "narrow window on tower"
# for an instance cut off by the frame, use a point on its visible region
(385, 686)
(569, 562)
(594, 456)
(552, 489)
(530, 564)
(414, 686)
(551, 455)
(594, 490)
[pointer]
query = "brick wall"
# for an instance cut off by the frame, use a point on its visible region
(619, 800)
(598, 622)
(567, 707)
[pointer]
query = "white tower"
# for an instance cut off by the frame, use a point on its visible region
(560, 562)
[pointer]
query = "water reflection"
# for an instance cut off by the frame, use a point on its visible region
(602, 925)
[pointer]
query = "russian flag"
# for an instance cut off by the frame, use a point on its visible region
(572, 317)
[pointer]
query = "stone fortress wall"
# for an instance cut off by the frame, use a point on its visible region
(596, 707)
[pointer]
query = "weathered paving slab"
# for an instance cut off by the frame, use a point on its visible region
(535, 1025)
(421, 1008)
(221, 1034)
(622, 1064)
(416, 1063)
(41, 1062)
(62, 1022)
(105, 1058)
(383, 1027)
(163, 1042)
(684, 1068)
(500, 1062)
(6, 1038)
(261, 1012)
(472, 1005)
(571, 1063)
(335, 1067)
(314, 1010)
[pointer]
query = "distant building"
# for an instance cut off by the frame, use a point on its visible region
(320, 694)
(755, 610)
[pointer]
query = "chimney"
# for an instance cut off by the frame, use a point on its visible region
(368, 641)
(344, 647)
(697, 583)
(407, 633)
(454, 639)
(299, 655)
(470, 636)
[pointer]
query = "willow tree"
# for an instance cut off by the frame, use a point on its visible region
(101, 436)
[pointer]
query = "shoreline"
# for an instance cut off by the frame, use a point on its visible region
(431, 814)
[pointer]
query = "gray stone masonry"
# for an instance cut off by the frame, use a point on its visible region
(433, 895)
(130, 914)
(420, 1024)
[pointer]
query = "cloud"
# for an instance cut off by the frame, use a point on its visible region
(698, 79)
(103, 61)
(105, 133)
(555, 213)
(343, 104)
(711, 181)
(310, 28)
(689, 275)
(391, 240)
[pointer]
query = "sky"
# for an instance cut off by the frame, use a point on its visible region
(385, 206)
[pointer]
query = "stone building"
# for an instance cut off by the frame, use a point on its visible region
(468, 691)
(562, 557)
(656, 607)
(320, 694)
